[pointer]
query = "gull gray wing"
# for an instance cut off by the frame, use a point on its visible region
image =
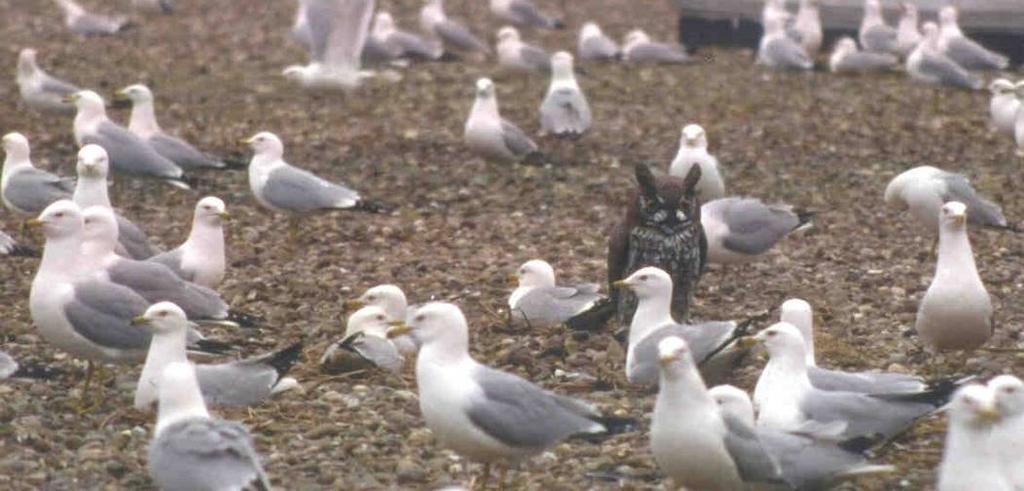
(866, 62)
(979, 210)
(947, 71)
(880, 38)
(973, 56)
(460, 37)
(156, 283)
(809, 463)
(91, 24)
(752, 460)
(528, 14)
(864, 382)
(380, 352)
(319, 15)
(181, 153)
(102, 312)
(55, 85)
(537, 58)
(658, 53)
(755, 227)
(246, 382)
(350, 23)
(30, 189)
(201, 453)
(783, 52)
(598, 48)
(864, 415)
(172, 259)
(130, 154)
(516, 140)
(413, 45)
(565, 112)
(520, 414)
(294, 189)
(702, 339)
(132, 239)
(554, 305)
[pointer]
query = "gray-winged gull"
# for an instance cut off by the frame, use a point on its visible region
(956, 311)
(923, 190)
(238, 383)
(778, 50)
(593, 44)
(365, 342)
(25, 189)
(40, 90)
(962, 49)
(785, 398)
(200, 259)
(128, 153)
(928, 64)
(653, 322)
(453, 35)
(808, 24)
(637, 47)
(539, 302)
(91, 190)
(1002, 107)
(846, 58)
(908, 31)
(398, 44)
(806, 459)
(484, 414)
(154, 6)
(515, 55)
(1007, 437)
(142, 123)
(11, 247)
(969, 460)
(392, 299)
(489, 135)
(741, 230)
(874, 34)
(523, 13)
(337, 31)
(564, 112)
(79, 21)
(693, 150)
(190, 450)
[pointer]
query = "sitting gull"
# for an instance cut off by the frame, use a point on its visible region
(923, 190)
(25, 189)
(155, 6)
(1007, 437)
(693, 151)
(523, 13)
(237, 383)
(908, 32)
(962, 49)
(337, 31)
(192, 451)
(11, 369)
(875, 35)
(808, 24)
(928, 64)
(1003, 106)
(485, 414)
(396, 306)
(564, 111)
(451, 34)
(538, 302)
(128, 153)
(741, 230)
(89, 24)
(956, 311)
(594, 45)
(515, 55)
(144, 125)
(398, 44)
(637, 47)
(969, 460)
(40, 90)
(777, 50)
(846, 58)
(489, 135)
(200, 259)
(366, 338)
(10, 247)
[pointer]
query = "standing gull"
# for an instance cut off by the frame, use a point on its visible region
(1007, 436)
(237, 383)
(908, 32)
(875, 35)
(956, 311)
(846, 58)
(40, 90)
(398, 44)
(564, 111)
(200, 259)
(450, 33)
(1003, 106)
(89, 24)
(144, 125)
(192, 451)
(741, 230)
(515, 55)
(593, 44)
(25, 189)
(365, 338)
(538, 302)
(489, 135)
(928, 64)
(779, 51)
(923, 190)
(637, 47)
(337, 33)
(523, 13)
(964, 50)
(808, 24)
(969, 461)
(128, 153)
(482, 413)
(693, 151)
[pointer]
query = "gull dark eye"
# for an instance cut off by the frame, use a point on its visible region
(380, 317)
(419, 318)
(771, 333)
(643, 277)
(1009, 390)
(371, 298)
(163, 313)
(58, 215)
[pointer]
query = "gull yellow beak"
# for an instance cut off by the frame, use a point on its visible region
(620, 284)
(224, 215)
(746, 342)
(959, 219)
(396, 324)
(512, 280)
(120, 95)
(69, 98)
(989, 414)
(139, 320)
(245, 141)
(34, 223)
(398, 330)
(665, 359)
(352, 305)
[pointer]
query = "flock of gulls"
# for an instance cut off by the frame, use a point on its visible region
(103, 294)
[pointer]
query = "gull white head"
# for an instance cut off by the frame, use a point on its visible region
(70, 8)
(27, 61)
(733, 401)
(439, 328)
(973, 406)
(873, 10)
(93, 162)
(137, 93)
(163, 318)
(266, 144)
(590, 30)
(536, 273)
(88, 103)
(930, 31)
(99, 231)
(1008, 393)
(953, 216)
(180, 398)
(391, 298)
(948, 16)
(383, 24)
(508, 34)
(17, 149)
(674, 359)
(297, 73)
(694, 136)
(210, 211)
(783, 341)
(63, 218)
(909, 10)
(371, 320)
(798, 312)
(649, 282)
(1002, 86)
(561, 66)
(845, 46)
(635, 37)
(484, 89)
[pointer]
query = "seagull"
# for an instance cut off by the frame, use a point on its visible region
(594, 45)
(89, 24)
(200, 259)
(538, 302)
(157, 6)
(11, 369)
(924, 189)
(969, 461)
(128, 153)
(1008, 433)
(693, 151)
(1003, 106)
(366, 338)
(564, 111)
(40, 90)
(143, 124)
(515, 55)
(929, 64)
(451, 34)
(1018, 123)
(523, 13)
(908, 34)
(398, 44)
(956, 311)
(962, 49)
(638, 48)
(875, 35)
(741, 230)
(392, 300)
(846, 58)
(190, 450)
(25, 189)
(492, 137)
(808, 24)
(481, 413)
(337, 33)
(778, 50)
(10, 247)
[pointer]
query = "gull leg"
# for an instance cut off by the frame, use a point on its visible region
(486, 476)
(293, 230)
(502, 476)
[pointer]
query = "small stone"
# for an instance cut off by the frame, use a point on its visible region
(409, 471)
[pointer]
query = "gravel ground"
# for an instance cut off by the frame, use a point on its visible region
(461, 225)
